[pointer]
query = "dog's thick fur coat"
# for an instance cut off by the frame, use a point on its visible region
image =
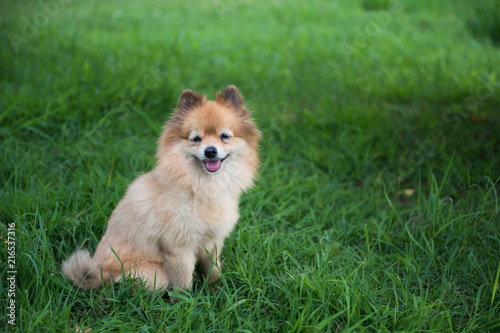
(186, 206)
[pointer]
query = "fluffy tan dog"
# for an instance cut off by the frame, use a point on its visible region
(187, 205)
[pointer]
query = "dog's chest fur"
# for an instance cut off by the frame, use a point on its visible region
(180, 218)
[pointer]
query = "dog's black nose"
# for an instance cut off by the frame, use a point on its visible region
(210, 152)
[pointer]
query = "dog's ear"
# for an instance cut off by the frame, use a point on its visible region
(189, 100)
(232, 97)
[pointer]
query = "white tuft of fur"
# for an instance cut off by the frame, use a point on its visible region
(81, 269)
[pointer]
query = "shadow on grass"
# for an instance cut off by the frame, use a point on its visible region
(483, 21)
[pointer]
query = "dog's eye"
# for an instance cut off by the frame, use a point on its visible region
(196, 139)
(224, 136)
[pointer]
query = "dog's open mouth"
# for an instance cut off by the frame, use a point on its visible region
(214, 165)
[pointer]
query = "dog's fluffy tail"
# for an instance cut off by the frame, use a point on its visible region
(82, 270)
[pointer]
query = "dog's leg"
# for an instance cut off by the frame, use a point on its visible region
(154, 275)
(180, 268)
(211, 263)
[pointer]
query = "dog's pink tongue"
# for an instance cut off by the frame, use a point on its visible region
(212, 166)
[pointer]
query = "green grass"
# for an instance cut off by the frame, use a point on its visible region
(377, 208)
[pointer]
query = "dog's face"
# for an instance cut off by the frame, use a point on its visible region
(214, 137)
(211, 149)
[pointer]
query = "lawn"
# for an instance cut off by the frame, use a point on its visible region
(377, 207)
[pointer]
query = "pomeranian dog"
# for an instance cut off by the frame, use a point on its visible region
(180, 212)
